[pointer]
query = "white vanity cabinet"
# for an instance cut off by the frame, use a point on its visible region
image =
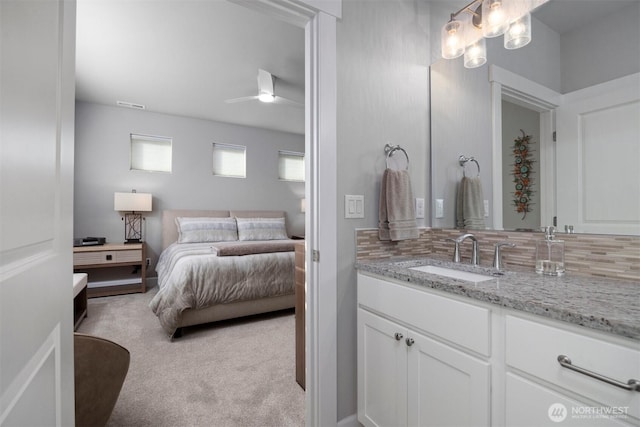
(407, 373)
(474, 364)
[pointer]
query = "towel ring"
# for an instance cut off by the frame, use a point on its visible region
(464, 159)
(390, 149)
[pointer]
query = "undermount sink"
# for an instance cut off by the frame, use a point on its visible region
(453, 274)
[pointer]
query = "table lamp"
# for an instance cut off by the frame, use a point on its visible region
(132, 203)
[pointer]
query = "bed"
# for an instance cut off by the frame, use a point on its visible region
(205, 275)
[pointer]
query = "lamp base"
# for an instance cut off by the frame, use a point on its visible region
(132, 241)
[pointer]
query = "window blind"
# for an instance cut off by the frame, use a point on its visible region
(229, 160)
(150, 153)
(290, 166)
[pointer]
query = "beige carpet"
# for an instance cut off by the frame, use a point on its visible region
(232, 373)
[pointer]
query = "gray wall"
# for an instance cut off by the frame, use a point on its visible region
(102, 168)
(589, 51)
(383, 96)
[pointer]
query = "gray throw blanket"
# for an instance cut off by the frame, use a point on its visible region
(396, 214)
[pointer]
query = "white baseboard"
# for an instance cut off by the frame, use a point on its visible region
(350, 421)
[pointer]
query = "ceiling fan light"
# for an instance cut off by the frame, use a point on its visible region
(452, 39)
(266, 97)
(475, 54)
(494, 18)
(519, 33)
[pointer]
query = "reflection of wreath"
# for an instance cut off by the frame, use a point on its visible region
(522, 169)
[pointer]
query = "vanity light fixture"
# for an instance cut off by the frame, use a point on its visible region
(488, 18)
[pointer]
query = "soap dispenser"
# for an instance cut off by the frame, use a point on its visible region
(550, 254)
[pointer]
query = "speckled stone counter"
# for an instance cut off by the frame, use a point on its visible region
(611, 306)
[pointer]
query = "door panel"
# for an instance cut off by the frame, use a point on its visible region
(598, 155)
(36, 178)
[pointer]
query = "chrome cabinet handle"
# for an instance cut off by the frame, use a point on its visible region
(398, 336)
(409, 341)
(631, 385)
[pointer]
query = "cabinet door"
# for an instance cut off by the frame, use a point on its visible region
(446, 387)
(382, 371)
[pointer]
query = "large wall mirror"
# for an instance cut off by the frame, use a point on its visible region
(579, 78)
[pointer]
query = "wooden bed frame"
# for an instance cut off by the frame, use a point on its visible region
(217, 312)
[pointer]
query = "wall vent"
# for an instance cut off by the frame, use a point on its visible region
(130, 105)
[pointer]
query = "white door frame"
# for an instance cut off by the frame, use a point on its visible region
(318, 18)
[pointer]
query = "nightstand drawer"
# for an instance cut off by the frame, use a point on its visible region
(129, 256)
(102, 257)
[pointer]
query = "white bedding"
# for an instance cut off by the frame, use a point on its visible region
(191, 275)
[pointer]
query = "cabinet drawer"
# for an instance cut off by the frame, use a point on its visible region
(129, 256)
(534, 348)
(106, 257)
(464, 324)
(88, 258)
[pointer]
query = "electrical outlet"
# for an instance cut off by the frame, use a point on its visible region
(419, 208)
(148, 262)
(439, 208)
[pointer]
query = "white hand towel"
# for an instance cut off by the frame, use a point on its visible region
(397, 218)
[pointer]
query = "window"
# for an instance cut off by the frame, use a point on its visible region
(229, 160)
(150, 153)
(290, 166)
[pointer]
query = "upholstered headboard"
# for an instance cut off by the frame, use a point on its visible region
(170, 230)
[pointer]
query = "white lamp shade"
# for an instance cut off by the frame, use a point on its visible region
(132, 202)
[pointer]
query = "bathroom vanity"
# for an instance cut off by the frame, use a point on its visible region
(434, 350)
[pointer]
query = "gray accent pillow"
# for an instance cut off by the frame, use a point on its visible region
(202, 230)
(261, 229)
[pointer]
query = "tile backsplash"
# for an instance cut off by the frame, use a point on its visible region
(595, 255)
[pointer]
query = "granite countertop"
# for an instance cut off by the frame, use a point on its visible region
(607, 305)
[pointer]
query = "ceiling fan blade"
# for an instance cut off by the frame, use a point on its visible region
(286, 101)
(265, 82)
(241, 99)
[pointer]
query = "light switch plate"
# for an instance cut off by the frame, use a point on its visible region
(486, 209)
(439, 208)
(353, 206)
(419, 208)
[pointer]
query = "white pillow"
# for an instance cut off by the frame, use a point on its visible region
(261, 229)
(201, 230)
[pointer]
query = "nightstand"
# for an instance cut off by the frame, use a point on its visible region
(113, 269)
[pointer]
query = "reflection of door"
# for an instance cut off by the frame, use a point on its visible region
(36, 167)
(598, 148)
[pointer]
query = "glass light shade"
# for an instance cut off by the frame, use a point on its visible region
(452, 39)
(495, 18)
(476, 54)
(519, 33)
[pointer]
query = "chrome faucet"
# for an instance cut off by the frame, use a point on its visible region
(475, 253)
(497, 255)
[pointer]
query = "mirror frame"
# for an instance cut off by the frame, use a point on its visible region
(508, 86)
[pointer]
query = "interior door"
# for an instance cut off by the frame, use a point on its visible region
(36, 179)
(598, 153)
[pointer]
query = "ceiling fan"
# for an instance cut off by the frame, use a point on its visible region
(266, 92)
